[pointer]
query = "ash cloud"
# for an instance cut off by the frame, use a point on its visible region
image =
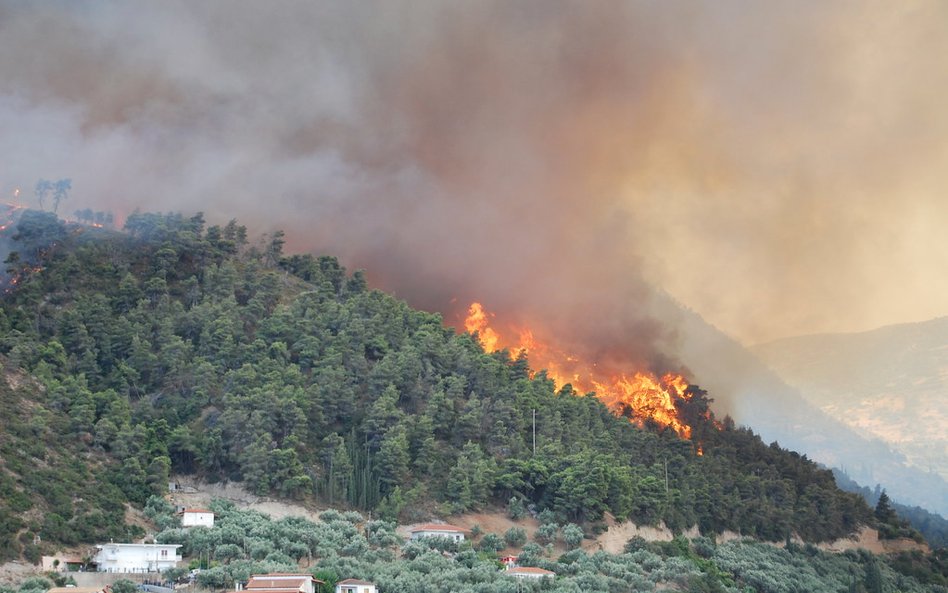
(778, 168)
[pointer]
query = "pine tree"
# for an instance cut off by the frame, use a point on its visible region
(884, 512)
(393, 458)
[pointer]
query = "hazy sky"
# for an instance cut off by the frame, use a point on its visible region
(778, 167)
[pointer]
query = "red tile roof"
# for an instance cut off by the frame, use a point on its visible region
(355, 582)
(280, 581)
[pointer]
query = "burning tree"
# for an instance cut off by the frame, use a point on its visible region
(641, 396)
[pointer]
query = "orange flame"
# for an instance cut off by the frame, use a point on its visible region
(477, 322)
(646, 396)
(640, 395)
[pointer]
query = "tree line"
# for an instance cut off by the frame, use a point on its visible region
(181, 347)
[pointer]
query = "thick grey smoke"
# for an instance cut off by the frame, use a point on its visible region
(777, 167)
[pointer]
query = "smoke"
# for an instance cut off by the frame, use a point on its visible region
(778, 168)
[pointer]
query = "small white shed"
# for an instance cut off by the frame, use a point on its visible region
(197, 518)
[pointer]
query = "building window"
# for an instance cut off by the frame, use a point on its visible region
(164, 553)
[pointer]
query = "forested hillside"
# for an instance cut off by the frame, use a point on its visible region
(177, 346)
(51, 484)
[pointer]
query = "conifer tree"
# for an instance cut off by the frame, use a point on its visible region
(884, 512)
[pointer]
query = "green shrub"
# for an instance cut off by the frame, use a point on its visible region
(35, 584)
(515, 537)
(124, 586)
(572, 535)
(491, 542)
(546, 534)
(516, 510)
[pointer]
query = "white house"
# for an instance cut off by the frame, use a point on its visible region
(529, 572)
(356, 586)
(197, 518)
(136, 557)
(284, 582)
(438, 530)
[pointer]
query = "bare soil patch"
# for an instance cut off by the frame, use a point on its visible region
(199, 494)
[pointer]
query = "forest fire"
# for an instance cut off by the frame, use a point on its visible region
(640, 395)
(476, 321)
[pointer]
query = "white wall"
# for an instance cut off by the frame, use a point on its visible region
(136, 557)
(356, 589)
(197, 519)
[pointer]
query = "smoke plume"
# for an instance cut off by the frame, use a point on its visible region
(776, 167)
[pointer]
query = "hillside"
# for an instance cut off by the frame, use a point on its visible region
(933, 526)
(50, 485)
(757, 396)
(176, 347)
(890, 383)
(346, 544)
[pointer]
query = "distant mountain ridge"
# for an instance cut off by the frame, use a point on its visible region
(757, 396)
(890, 383)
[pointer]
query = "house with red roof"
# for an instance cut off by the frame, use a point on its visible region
(529, 572)
(283, 582)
